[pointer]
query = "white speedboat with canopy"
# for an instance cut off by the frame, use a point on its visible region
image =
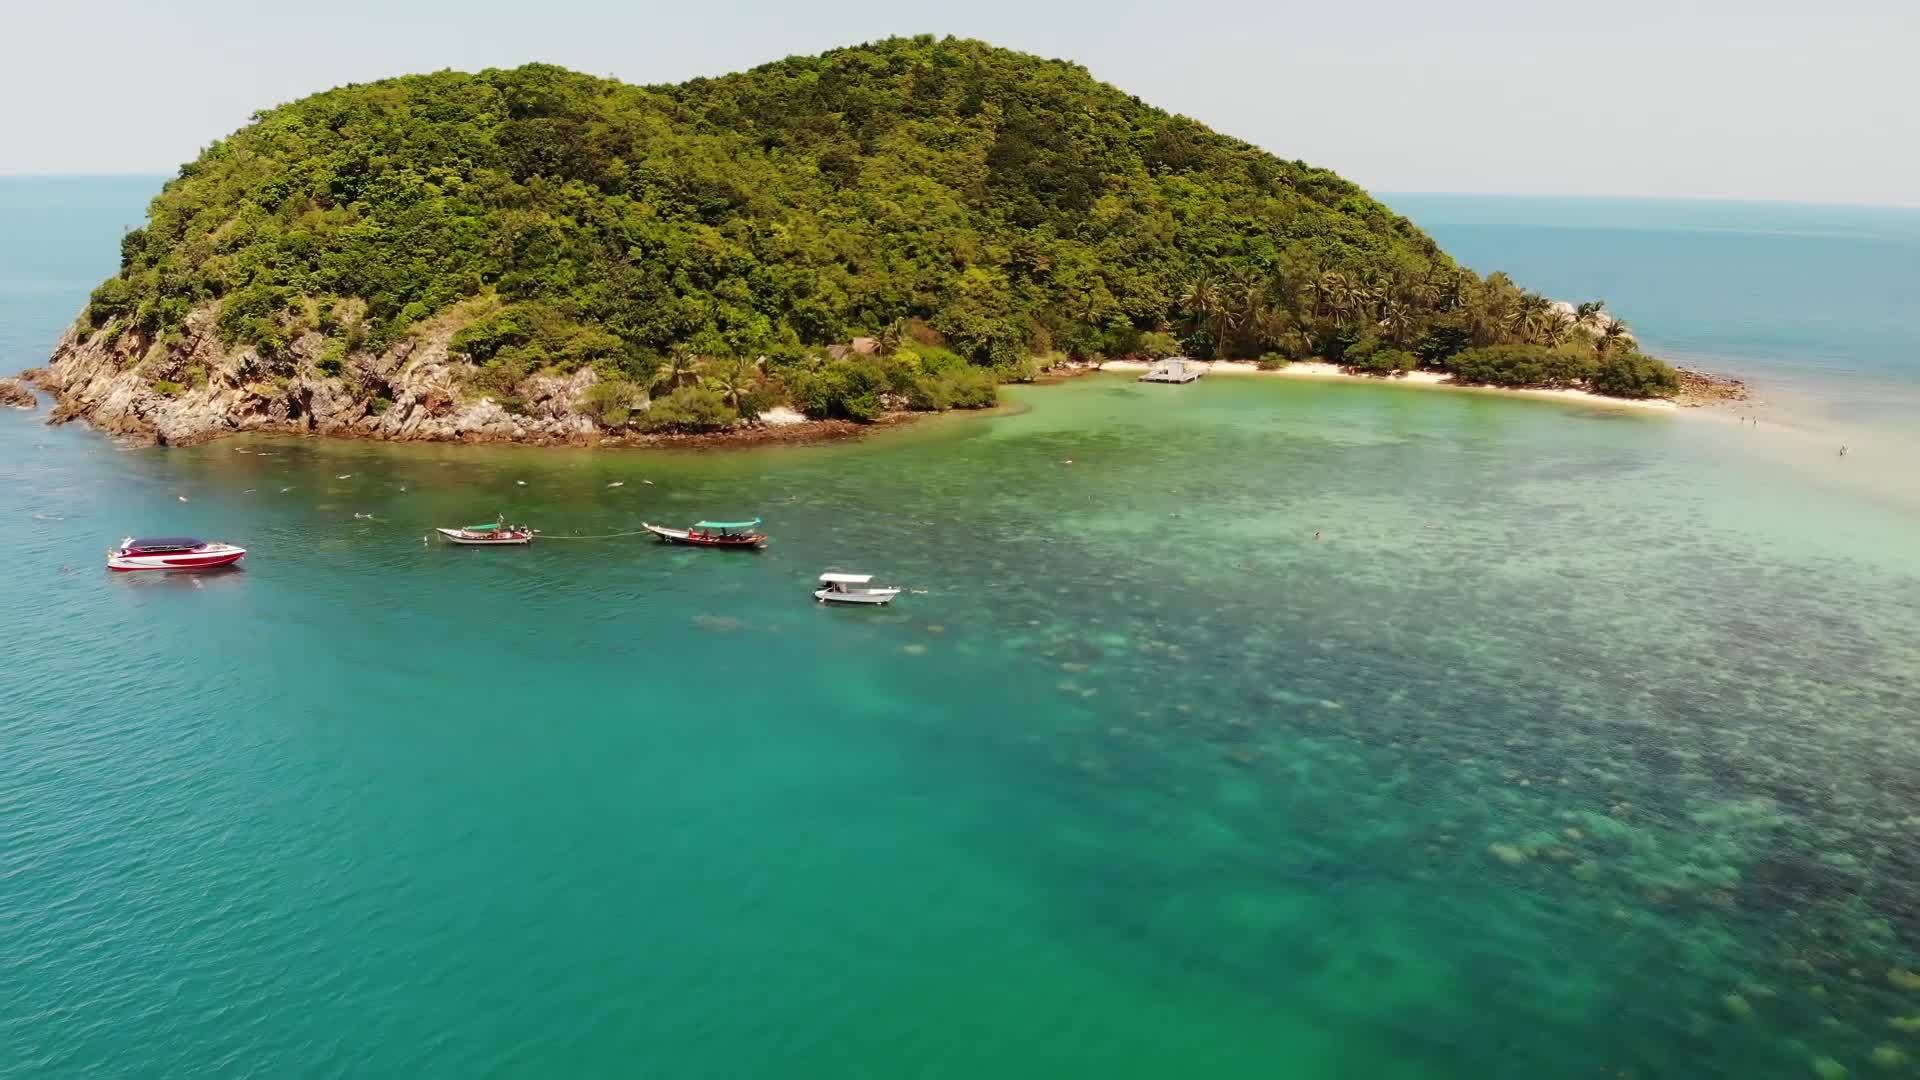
(853, 589)
(173, 553)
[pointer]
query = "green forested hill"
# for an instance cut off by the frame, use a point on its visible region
(997, 203)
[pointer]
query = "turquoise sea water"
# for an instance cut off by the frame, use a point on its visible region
(1293, 729)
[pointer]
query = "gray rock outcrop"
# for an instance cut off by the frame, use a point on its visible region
(194, 388)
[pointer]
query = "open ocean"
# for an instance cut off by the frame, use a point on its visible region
(1295, 728)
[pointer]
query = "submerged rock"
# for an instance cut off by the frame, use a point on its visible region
(1888, 1056)
(1738, 1006)
(1828, 1069)
(1507, 853)
(15, 394)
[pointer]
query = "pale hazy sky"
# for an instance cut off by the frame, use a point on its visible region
(1757, 99)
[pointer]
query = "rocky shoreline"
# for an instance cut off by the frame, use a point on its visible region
(193, 389)
(196, 390)
(1707, 388)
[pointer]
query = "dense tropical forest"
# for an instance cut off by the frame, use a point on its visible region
(976, 212)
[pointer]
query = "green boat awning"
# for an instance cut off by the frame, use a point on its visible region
(726, 524)
(488, 527)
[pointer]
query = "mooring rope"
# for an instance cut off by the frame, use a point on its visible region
(597, 536)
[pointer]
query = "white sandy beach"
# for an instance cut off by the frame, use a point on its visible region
(1315, 369)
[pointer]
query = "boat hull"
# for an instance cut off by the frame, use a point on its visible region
(461, 536)
(868, 596)
(752, 542)
(210, 558)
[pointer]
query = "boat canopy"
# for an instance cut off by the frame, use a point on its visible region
(488, 527)
(726, 524)
(164, 543)
(845, 579)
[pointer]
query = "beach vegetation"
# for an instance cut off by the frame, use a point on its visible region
(1154, 345)
(844, 389)
(612, 402)
(1387, 361)
(690, 409)
(1528, 365)
(1629, 374)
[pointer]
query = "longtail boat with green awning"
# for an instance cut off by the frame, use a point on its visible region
(488, 534)
(721, 534)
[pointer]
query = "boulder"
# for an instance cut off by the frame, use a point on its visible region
(15, 394)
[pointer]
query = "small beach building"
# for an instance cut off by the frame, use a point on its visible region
(1178, 369)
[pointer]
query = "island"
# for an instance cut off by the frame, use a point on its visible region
(540, 255)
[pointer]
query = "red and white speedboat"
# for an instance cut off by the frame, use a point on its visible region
(172, 553)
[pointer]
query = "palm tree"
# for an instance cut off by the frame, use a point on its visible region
(1396, 318)
(678, 369)
(1317, 294)
(1531, 320)
(1209, 308)
(1249, 295)
(1557, 327)
(1248, 304)
(1201, 298)
(734, 377)
(1337, 295)
(1374, 292)
(1443, 289)
(1590, 314)
(1610, 335)
(892, 336)
(1270, 326)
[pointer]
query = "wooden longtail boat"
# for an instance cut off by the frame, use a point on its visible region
(720, 534)
(495, 533)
